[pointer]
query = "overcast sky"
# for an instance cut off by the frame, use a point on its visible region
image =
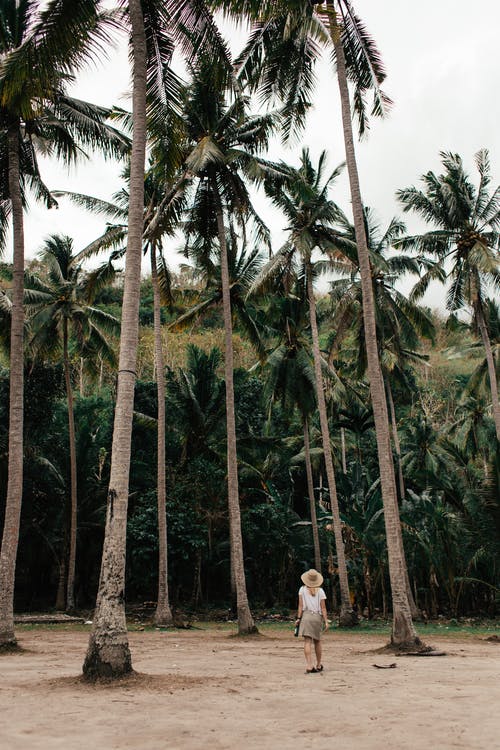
(443, 69)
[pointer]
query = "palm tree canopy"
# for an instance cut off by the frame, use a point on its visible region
(466, 229)
(302, 195)
(400, 322)
(61, 297)
(290, 374)
(286, 41)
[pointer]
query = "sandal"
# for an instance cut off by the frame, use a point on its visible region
(312, 671)
(320, 668)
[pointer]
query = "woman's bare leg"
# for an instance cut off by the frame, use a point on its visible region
(308, 652)
(317, 648)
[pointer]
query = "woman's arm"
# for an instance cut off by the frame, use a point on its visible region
(300, 607)
(324, 612)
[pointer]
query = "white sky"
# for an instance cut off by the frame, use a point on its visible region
(443, 71)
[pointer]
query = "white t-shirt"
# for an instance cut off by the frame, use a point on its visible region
(312, 603)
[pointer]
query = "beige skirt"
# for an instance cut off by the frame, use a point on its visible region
(310, 625)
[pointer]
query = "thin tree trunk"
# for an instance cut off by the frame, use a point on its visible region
(395, 437)
(10, 537)
(342, 447)
(245, 620)
(347, 616)
(491, 365)
(61, 584)
(108, 653)
(415, 612)
(163, 614)
(403, 630)
(82, 394)
(70, 585)
(310, 492)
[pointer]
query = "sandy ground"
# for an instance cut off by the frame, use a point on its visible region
(208, 689)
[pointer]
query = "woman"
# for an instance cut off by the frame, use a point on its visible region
(311, 615)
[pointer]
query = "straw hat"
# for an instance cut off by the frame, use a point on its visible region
(312, 578)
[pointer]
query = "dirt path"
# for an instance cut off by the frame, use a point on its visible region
(208, 689)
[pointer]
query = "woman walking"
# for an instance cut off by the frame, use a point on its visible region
(311, 615)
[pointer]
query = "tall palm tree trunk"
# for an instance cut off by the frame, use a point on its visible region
(347, 616)
(415, 612)
(403, 631)
(10, 537)
(490, 360)
(310, 492)
(61, 582)
(342, 448)
(395, 437)
(108, 653)
(70, 585)
(245, 620)
(163, 613)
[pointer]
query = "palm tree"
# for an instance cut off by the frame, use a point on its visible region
(195, 397)
(476, 383)
(340, 20)
(59, 310)
(427, 459)
(164, 196)
(290, 377)
(221, 196)
(189, 23)
(303, 197)
(400, 322)
(280, 56)
(466, 233)
(40, 49)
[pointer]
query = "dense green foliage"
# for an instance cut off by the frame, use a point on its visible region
(205, 152)
(450, 515)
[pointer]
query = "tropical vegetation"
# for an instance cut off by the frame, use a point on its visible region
(198, 437)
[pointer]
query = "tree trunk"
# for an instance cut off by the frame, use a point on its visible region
(491, 365)
(10, 537)
(312, 501)
(415, 612)
(347, 617)
(163, 614)
(245, 620)
(403, 631)
(395, 437)
(82, 391)
(70, 585)
(60, 604)
(108, 653)
(342, 447)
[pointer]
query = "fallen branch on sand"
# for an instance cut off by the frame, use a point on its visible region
(430, 652)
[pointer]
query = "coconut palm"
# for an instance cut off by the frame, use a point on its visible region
(400, 322)
(465, 234)
(195, 397)
(59, 313)
(472, 429)
(290, 376)
(428, 458)
(226, 142)
(478, 380)
(280, 56)
(163, 196)
(41, 47)
(228, 274)
(192, 28)
(302, 195)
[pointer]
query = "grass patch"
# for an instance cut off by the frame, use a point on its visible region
(483, 628)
